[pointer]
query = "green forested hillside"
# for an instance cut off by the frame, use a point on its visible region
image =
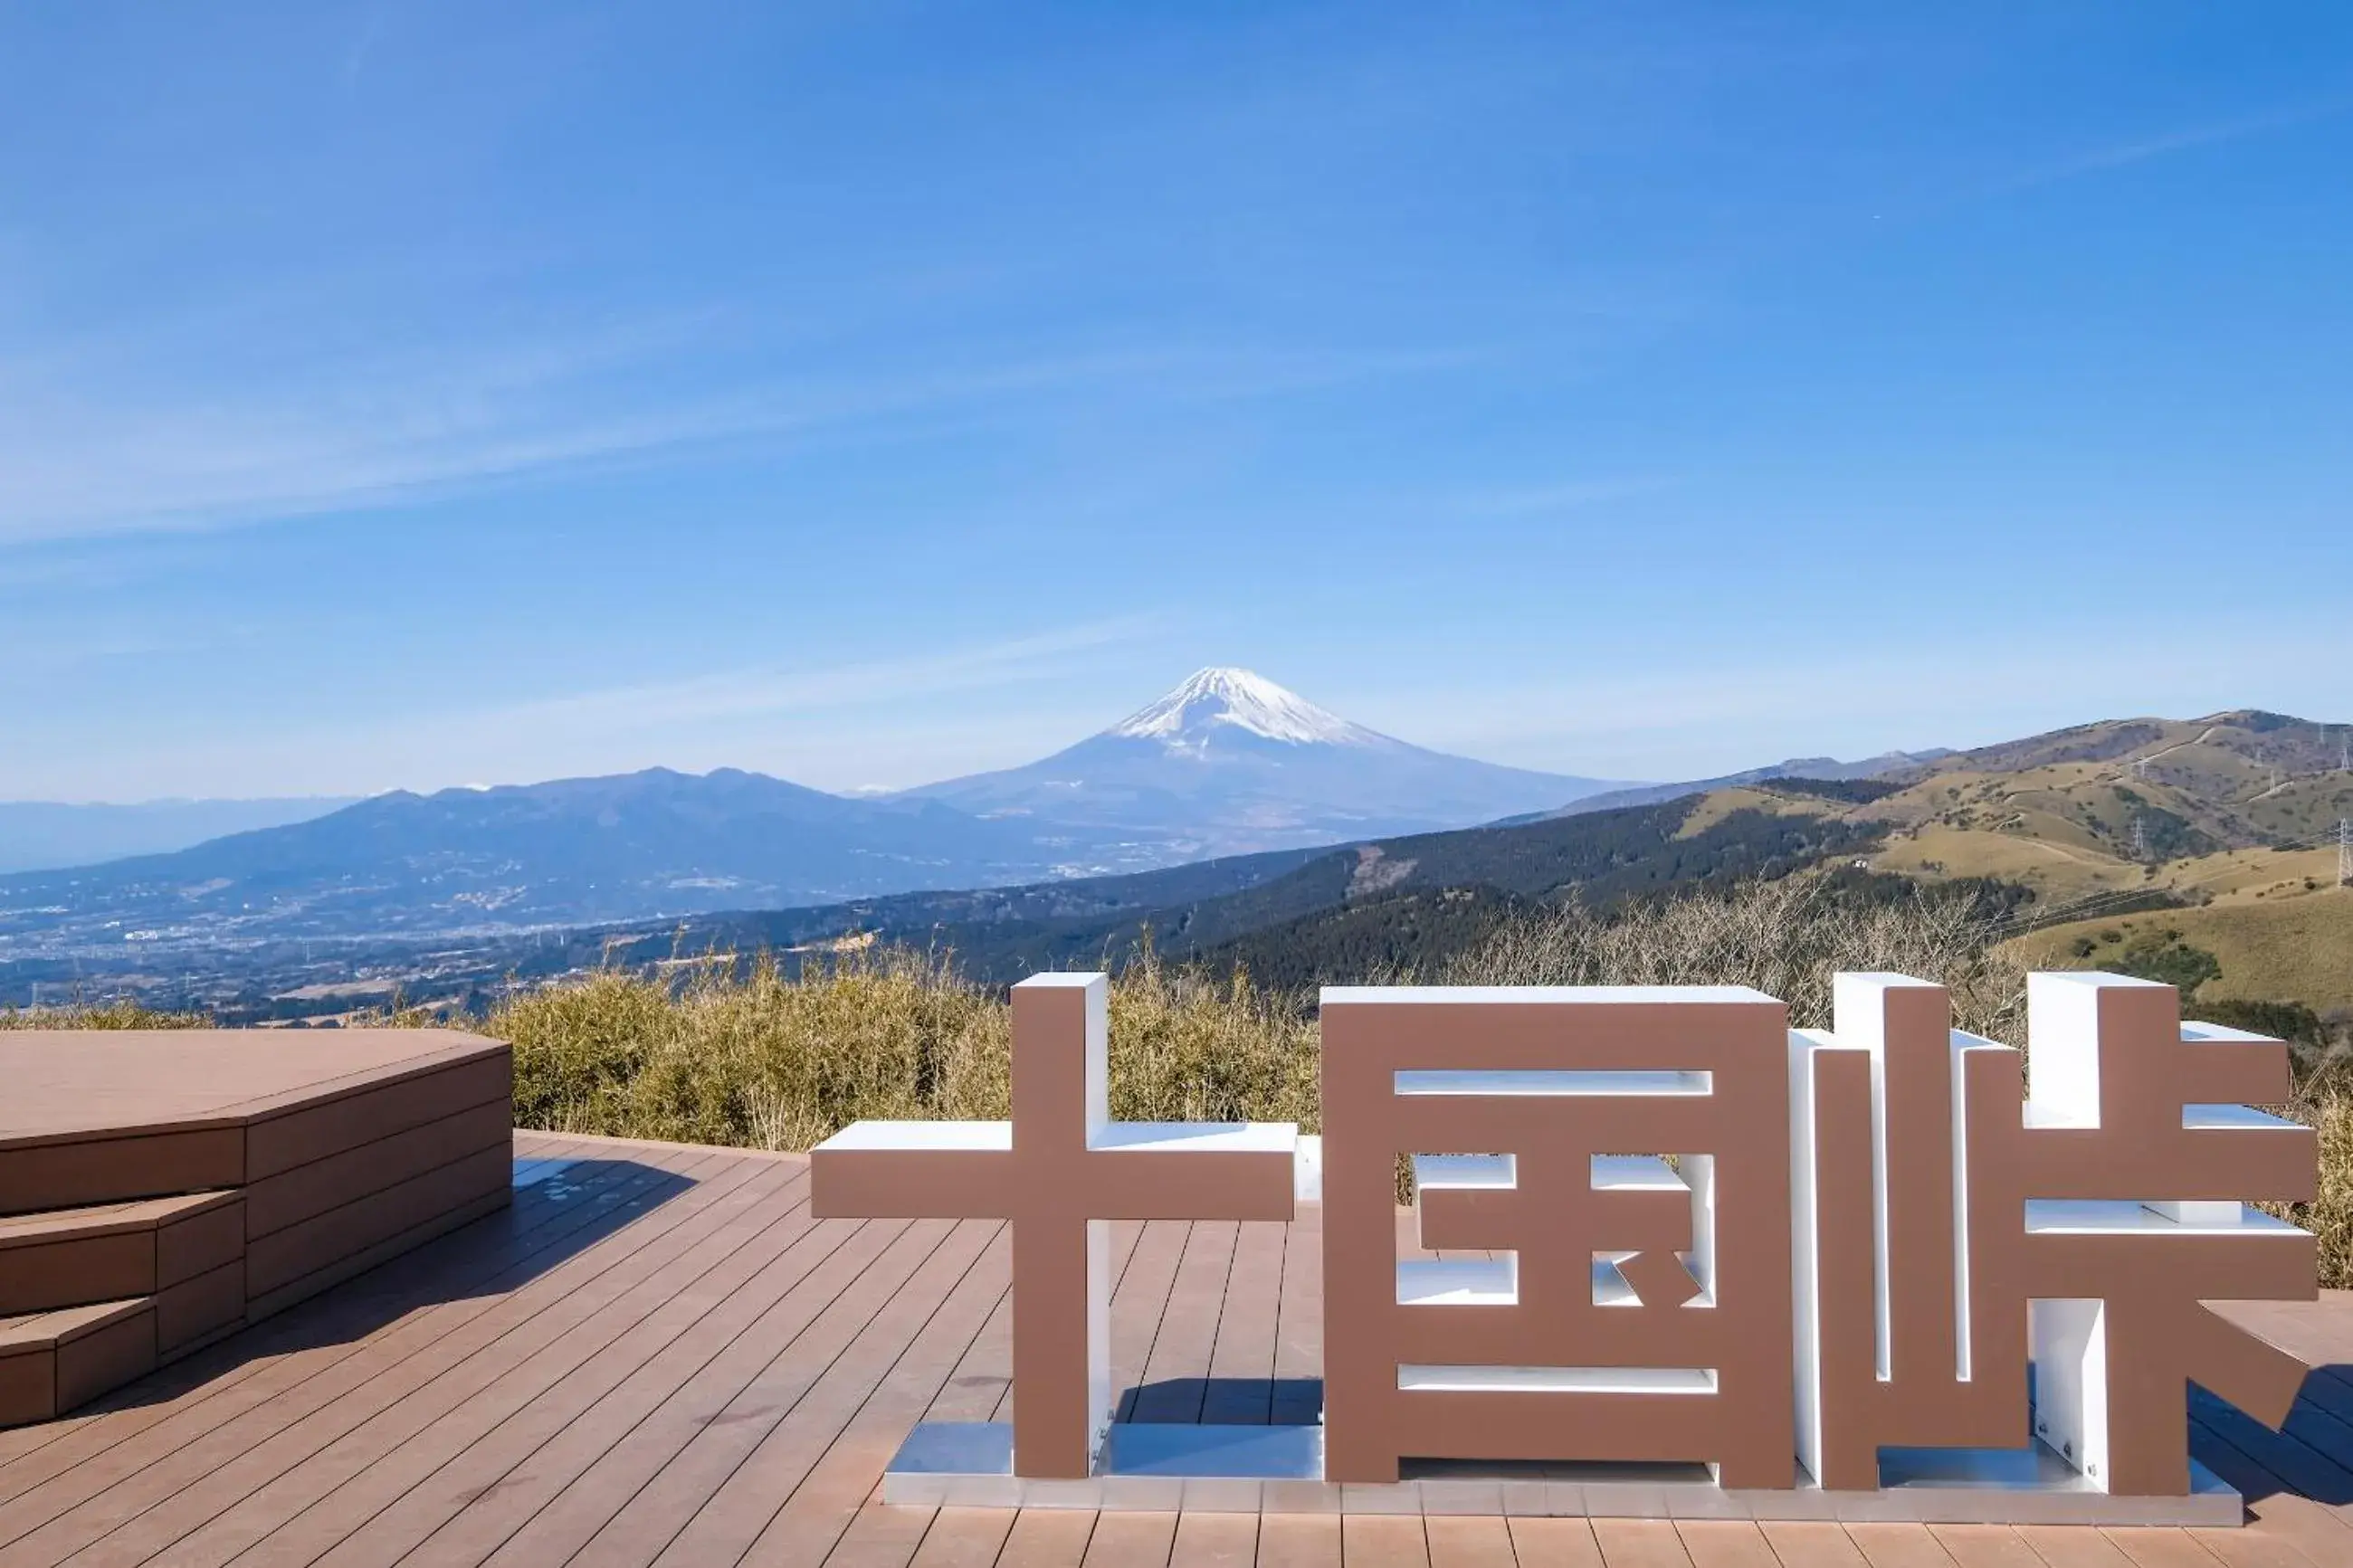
(1361, 900)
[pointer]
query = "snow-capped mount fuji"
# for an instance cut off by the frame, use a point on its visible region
(1230, 763)
(1239, 699)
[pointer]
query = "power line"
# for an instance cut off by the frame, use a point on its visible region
(2121, 899)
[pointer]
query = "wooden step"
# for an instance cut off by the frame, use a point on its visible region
(101, 1116)
(51, 1362)
(187, 1252)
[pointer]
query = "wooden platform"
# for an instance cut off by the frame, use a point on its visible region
(160, 1189)
(657, 1356)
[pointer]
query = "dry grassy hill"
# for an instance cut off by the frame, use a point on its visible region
(2288, 946)
(2105, 807)
(2234, 815)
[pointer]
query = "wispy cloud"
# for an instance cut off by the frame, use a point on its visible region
(748, 693)
(2127, 154)
(888, 720)
(92, 442)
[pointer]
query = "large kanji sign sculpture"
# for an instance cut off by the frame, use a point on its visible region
(1715, 1265)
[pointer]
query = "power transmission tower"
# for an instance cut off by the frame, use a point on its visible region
(2345, 851)
(2140, 841)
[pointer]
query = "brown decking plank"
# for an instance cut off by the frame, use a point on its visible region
(1556, 1542)
(387, 1244)
(2263, 1545)
(1138, 1305)
(2324, 1387)
(532, 1227)
(284, 1266)
(214, 1385)
(2323, 1533)
(1812, 1543)
(1042, 1538)
(1898, 1546)
(1297, 1396)
(1383, 1540)
(293, 1140)
(304, 1192)
(2300, 1521)
(1214, 1541)
(730, 1433)
(982, 1382)
(667, 1470)
(2160, 1549)
(133, 1477)
(401, 1426)
(2327, 1432)
(2071, 1546)
(466, 1484)
(1985, 1546)
(930, 1320)
(1469, 1541)
(828, 1496)
(191, 1383)
(1640, 1543)
(1176, 1373)
(2252, 1548)
(963, 1538)
(591, 1500)
(479, 1500)
(2222, 1431)
(1131, 1541)
(879, 1536)
(70, 1271)
(1299, 1541)
(1242, 1362)
(96, 1170)
(1729, 1544)
(254, 1374)
(199, 1239)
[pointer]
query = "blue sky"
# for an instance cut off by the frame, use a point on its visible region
(429, 393)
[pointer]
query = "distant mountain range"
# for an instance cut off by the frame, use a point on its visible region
(2228, 825)
(1228, 762)
(40, 835)
(1827, 768)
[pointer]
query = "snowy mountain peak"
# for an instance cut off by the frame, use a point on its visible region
(1240, 699)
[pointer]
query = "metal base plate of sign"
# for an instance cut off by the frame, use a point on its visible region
(1156, 1467)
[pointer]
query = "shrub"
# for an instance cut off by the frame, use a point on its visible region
(119, 1015)
(758, 1060)
(1785, 938)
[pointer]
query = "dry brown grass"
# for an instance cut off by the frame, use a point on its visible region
(108, 1016)
(1785, 938)
(765, 1061)
(2324, 1102)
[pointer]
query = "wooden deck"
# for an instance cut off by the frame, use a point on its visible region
(160, 1189)
(655, 1356)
